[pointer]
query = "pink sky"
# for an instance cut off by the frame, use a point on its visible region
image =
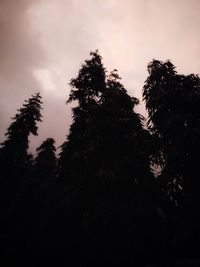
(43, 42)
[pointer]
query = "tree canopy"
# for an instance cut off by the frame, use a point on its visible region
(99, 200)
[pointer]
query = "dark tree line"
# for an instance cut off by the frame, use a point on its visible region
(99, 201)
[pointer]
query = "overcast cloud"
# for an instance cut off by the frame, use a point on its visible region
(43, 42)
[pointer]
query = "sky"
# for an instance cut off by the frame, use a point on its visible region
(44, 42)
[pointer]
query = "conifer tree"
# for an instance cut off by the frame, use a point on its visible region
(14, 156)
(15, 163)
(41, 191)
(45, 161)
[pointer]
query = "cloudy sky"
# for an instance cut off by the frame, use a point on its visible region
(43, 42)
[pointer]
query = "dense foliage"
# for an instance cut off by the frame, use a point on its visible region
(100, 200)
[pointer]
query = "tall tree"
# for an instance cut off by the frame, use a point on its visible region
(173, 103)
(86, 89)
(43, 177)
(106, 157)
(40, 190)
(107, 137)
(15, 164)
(123, 150)
(14, 156)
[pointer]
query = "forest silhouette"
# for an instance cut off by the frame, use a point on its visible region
(100, 200)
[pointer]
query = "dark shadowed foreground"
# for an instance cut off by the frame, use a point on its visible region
(99, 201)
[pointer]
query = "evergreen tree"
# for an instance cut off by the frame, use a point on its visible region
(45, 162)
(14, 156)
(43, 176)
(15, 163)
(40, 191)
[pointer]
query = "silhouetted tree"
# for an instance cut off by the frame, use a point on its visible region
(14, 156)
(172, 101)
(106, 158)
(123, 144)
(74, 168)
(39, 193)
(86, 89)
(16, 162)
(45, 161)
(107, 137)
(42, 181)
